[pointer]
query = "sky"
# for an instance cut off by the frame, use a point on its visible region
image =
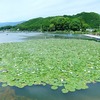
(22, 10)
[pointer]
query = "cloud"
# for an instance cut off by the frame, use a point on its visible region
(16, 10)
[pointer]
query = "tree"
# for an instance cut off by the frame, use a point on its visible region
(61, 23)
(75, 24)
(84, 26)
(51, 27)
(6, 27)
(66, 24)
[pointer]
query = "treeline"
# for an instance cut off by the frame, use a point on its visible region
(78, 22)
(61, 23)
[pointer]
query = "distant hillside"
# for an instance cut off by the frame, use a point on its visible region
(92, 18)
(10, 23)
(77, 22)
(34, 24)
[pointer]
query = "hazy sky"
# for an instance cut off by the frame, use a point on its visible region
(19, 10)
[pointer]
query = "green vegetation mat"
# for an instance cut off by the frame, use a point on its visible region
(70, 63)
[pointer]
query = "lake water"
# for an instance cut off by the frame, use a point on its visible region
(38, 92)
(6, 37)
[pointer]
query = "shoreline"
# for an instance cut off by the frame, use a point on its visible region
(93, 36)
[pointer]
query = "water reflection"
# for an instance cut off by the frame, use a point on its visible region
(38, 92)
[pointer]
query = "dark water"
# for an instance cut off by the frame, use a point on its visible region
(38, 92)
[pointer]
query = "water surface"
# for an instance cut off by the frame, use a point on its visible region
(38, 92)
(6, 37)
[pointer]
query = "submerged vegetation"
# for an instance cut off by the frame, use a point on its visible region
(69, 63)
(9, 94)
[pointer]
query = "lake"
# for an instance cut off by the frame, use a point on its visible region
(39, 92)
(6, 37)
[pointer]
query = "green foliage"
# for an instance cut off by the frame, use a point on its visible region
(77, 22)
(92, 18)
(52, 27)
(6, 27)
(60, 23)
(75, 25)
(57, 62)
(37, 24)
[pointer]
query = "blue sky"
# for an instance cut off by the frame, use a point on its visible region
(19, 10)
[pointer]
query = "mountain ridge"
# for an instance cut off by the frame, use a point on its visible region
(80, 21)
(10, 23)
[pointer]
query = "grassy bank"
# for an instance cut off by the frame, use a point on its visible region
(59, 62)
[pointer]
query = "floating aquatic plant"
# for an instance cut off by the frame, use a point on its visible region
(69, 63)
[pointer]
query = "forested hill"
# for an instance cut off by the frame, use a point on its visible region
(92, 19)
(77, 22)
